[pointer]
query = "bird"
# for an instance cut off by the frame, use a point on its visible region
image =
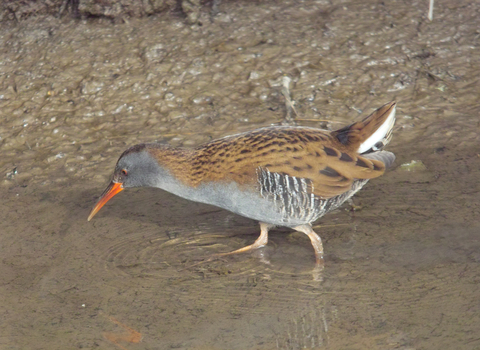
(287, 176)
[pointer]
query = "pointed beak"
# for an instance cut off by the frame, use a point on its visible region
(109, 192)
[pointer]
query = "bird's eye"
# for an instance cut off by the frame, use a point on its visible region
(124, 172)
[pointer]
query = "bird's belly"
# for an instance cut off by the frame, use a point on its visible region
(251, 204)
(243, 202)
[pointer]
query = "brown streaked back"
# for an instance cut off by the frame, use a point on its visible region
(294, 151)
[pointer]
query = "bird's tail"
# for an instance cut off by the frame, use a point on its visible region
(372, 133)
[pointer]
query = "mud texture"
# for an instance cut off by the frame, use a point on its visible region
(402, 271)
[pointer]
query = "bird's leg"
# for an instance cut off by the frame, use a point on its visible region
(260, 242)
(315, 239)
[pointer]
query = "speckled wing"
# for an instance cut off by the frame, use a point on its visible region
(293, 152)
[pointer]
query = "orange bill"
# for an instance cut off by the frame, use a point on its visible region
(109, 192)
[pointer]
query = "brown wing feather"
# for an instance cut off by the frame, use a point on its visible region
(298, 152)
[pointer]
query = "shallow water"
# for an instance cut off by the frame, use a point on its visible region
(400, 273)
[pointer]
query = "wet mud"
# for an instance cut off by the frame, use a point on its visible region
(401, 271)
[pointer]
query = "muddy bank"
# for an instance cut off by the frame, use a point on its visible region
(401, 273)
(190, 10)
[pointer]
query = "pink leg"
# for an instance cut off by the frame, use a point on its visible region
(315, 239)
(260, 242)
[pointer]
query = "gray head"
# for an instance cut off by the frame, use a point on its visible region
(136, 167)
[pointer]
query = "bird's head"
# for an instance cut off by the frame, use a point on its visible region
(136, 167)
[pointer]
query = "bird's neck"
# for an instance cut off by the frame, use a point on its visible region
(176, 161)
(180, 172)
